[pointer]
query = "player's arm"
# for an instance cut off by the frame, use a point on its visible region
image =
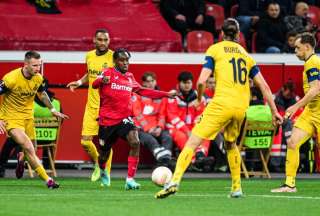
(3, 89)
(260, 82)
(313, 76)
(75, 84)
(151, 93)
(43, 96)
(207, 69)
(313, 91)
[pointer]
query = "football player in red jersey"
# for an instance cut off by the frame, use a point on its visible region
(116, 86)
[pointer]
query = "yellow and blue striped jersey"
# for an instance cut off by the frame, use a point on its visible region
(232, 67)
(311, 72)
(95, 65)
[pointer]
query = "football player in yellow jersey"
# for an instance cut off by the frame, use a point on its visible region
(19, 88)
(232, 67)
(309, 121)
(96, 60)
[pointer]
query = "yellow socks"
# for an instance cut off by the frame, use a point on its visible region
(292, 164)
(91, 149)
(234, 160)
(109, 161)
(42, 173)
(183, 162)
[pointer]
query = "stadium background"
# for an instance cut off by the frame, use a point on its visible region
(62, 40)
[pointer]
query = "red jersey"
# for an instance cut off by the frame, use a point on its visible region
(115, 96)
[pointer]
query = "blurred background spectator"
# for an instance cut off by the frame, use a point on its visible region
(271, 30)
(289, 44)
(299, 21)
(187, 15)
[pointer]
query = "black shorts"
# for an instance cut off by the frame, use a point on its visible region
(108, 135)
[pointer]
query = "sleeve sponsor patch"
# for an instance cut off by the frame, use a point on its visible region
(313, 74)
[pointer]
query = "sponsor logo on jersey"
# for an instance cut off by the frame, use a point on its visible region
(94, 72)
(120, 87)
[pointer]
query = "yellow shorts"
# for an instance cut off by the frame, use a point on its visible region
(27, 125)
(309, 122)
(90, 126)
(216, 117)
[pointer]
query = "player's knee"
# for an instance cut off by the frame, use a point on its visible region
(291, 144)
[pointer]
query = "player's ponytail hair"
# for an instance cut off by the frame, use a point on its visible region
(119, 51)
(230, 29)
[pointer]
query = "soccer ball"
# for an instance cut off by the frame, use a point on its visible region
(161, 175)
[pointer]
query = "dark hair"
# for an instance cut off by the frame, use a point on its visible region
(230, 28)
(256, 96)
(289, 85)
(307, 38)
(102, 30)
(148, 74)
(291, 34)
(31, 54)
(272, 2)
(185, 76)
(118, 51)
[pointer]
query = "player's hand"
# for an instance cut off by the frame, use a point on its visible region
(73, 85)
(105, 79)
(2, 127)
(180, 17)
(277, 119)
(290, 112)
(60, 115)
(172, 93)
(199, 19)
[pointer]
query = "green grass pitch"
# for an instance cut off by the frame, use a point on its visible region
(79, 196)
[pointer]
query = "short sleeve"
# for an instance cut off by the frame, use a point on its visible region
(312, 71)
(8, 81)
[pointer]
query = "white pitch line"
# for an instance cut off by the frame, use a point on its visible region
(151, 195)
(288, 197)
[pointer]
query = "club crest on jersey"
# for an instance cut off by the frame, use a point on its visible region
(130, 80)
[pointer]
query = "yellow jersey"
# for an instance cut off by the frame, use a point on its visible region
(95, 65)
(232, 67)
(19, 98)
(311, 72)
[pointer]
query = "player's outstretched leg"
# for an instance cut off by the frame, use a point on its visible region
(183, 162)
(168, 189)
